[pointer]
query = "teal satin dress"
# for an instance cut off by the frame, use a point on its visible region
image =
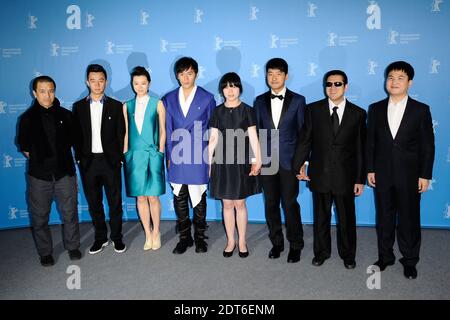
(144, 163)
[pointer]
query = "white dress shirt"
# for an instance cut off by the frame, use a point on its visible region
(96, 108)
(139, 112)
(195, 191)
(395, 114)
(340, 110)
(277, 106)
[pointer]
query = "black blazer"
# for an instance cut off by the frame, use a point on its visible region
(336, 163)
(408, 157)
(291, 121)
(112, 131)
(31, 137)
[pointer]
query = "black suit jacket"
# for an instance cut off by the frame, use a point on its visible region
(291, 121)
(336, 163)
(112, 131)
(408, 157)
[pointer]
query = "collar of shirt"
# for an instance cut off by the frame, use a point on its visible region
(282, 92)
(90, 100)
(400, 104)
(340, 110)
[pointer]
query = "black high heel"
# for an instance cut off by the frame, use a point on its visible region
(228, 254)
(243, 254)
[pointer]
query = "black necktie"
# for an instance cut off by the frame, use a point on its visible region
(335, 120)
(273, 96)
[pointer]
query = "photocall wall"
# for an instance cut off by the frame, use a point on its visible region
(60, 38)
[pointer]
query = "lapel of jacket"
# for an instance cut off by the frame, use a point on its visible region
(194, 109)
(268, 102)
(326, 115)
(384, 115)
(406, 117)
(85, 113)
(345, 116)
(146, 135)
(105, 115)
(286, 103)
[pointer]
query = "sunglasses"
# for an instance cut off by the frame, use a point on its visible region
(336, 84)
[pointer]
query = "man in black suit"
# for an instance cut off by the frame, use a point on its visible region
(333, 139)
(100, 132)
(280, 112)
(400, 155)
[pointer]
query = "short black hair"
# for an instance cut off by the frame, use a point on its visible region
(184, 64)
(277, 63)
(95, 68)
(231, 79)
(42, 79)
(400, 65)
(335, 73)
(140, 71)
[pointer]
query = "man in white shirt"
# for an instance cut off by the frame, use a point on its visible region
(400, 155)
(279, 112)
(100, 132)
(332, 139)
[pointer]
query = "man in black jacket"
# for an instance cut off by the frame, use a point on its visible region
(333, 138)
(100, 132)
(45, 136)
(400, 156)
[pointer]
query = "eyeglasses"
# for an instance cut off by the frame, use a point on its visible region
(336, 84)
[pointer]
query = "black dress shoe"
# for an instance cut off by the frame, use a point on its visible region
(274, 253)
(317, 261)
(74, 254)
(410, 272)
(201, 246)
(47, 261)
(243, 254)
(349, 264)
(293, 255)
(228, 254)
(182, 246)
(382, 265)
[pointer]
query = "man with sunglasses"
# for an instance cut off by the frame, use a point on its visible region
(332, 139)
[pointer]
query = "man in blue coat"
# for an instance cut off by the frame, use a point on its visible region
(188, 109)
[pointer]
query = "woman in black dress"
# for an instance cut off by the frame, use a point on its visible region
(233, 171)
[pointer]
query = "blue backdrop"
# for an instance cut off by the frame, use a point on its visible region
(60, 38)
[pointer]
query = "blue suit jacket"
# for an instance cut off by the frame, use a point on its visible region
(187, 141)
(291, 122)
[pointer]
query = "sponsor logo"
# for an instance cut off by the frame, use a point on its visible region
(198, 16)
(312, 7)
(32, 22)
(253, 12)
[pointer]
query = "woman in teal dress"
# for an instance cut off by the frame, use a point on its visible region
(144, 155)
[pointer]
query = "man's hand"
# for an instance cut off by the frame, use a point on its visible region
(423, 185)
(358, 189)
(371, 179)
(302, 174)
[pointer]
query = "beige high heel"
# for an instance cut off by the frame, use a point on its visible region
(148, 243)
(157, 243)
